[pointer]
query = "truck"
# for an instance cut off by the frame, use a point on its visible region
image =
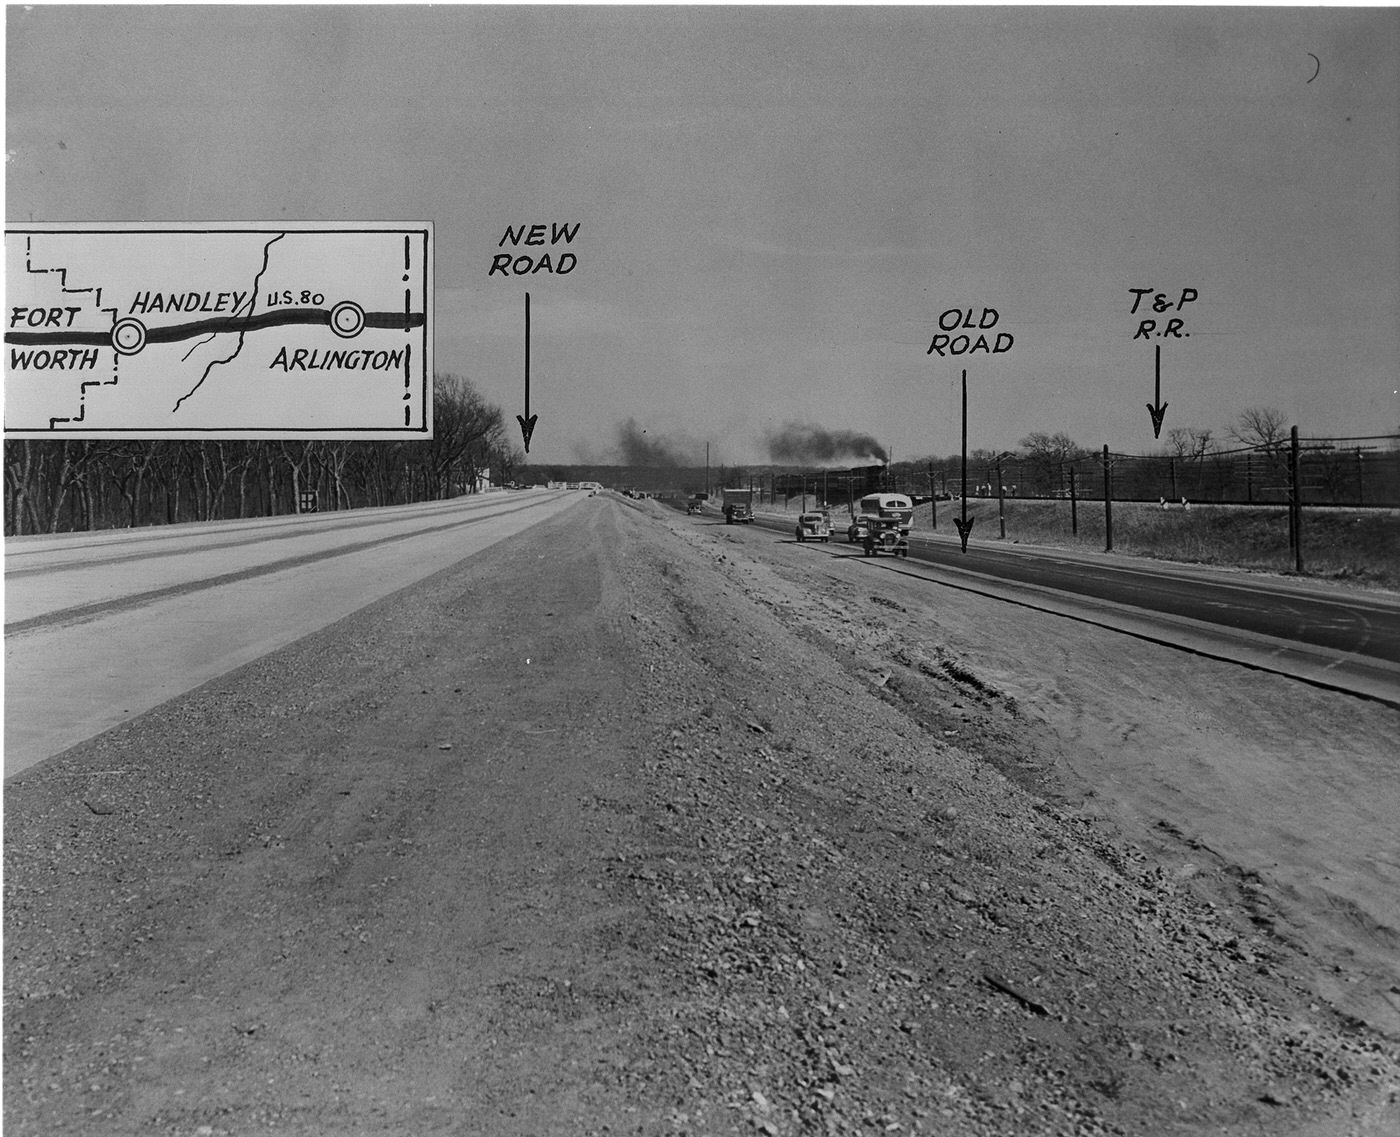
(888, 517)
(738, 505)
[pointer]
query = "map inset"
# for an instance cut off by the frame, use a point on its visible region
(218, 331)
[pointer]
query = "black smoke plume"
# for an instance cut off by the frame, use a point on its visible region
(638, 447)
(802, 442)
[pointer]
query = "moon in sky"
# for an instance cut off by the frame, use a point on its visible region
(1318, 70)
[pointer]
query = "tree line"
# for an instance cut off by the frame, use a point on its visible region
(61, 485)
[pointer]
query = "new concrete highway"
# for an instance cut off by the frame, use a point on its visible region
(100, 627)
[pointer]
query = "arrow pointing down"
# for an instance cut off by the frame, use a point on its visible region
(527, 420)
(1157, 409)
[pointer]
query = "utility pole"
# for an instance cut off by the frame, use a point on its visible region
(1001, 498)
(1296, 506)
(932, 499)
(1107, 502)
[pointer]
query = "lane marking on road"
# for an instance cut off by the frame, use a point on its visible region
(292, 526)
(84, 612)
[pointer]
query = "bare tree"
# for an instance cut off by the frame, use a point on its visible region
(1048, 455)
(1189, 442)
(22, 462)
(71, 460)
(301, 458)
(466, 430)
(127, 466)
(505, 460)
(336, 457)
(1263, 429)
(377, 469)
(1260, 427)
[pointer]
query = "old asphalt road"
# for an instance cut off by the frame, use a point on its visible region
(1342, 639)
(621, 825)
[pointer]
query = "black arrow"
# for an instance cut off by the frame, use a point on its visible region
(527, 420)
(964, 523)
(1157, 409)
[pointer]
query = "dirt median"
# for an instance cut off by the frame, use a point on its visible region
(589, 834)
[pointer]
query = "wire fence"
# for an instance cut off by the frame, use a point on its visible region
(1354, 472)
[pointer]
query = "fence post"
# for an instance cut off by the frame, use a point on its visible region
(1360, 480)
(1297, 504)
(1107, 502)
(1073, 506)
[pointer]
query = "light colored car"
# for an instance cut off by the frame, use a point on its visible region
(814, 526)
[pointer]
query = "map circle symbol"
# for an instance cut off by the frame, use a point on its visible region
(128, 336)
(347, 319)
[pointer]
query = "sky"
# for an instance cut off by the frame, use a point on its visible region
(777, 206)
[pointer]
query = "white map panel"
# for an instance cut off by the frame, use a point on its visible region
(219, 330)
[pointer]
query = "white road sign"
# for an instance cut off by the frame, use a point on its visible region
(227, 330)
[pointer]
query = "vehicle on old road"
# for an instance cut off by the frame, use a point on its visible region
(888, 517)
(738, 505)
(814, 526)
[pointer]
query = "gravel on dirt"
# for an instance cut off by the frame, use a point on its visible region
(590, 834)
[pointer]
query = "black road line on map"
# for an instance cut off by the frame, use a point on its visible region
(247, 304)
(175, 332)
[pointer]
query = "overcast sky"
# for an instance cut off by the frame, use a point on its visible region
(775, 204)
